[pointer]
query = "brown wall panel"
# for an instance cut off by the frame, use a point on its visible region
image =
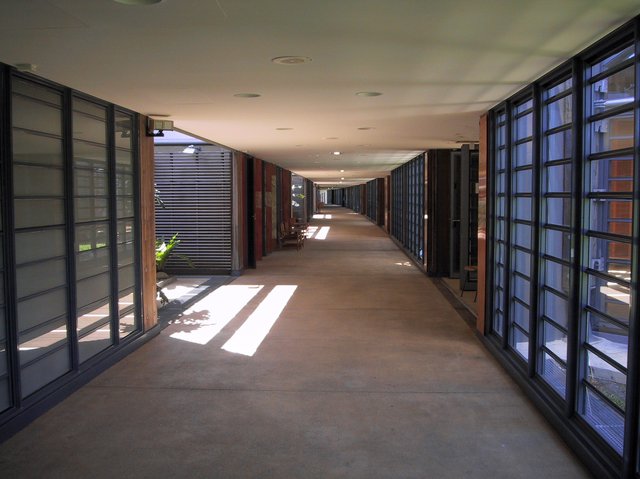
(148, 231)
(482, 221)
(258, 193)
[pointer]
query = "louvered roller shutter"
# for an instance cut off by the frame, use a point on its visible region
(196, 192)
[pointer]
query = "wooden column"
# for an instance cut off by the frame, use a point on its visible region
(148, 232)
(482, 221)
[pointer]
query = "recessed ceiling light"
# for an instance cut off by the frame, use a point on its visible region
(368, 93)
(291, 60)
(284, 129)
(158, 115)
(246, 95)
(137, 2)
(336, 153)
(342, 178)
(331, 138)
(341, 171)
(366, 128)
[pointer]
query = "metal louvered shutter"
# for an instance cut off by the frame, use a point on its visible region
(196, 192)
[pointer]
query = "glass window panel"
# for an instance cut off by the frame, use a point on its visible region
(500, 253)
(36, 149)
(41, 373)
(613, 133)
(554, 339)
(558, 178)
(124, 161)
(521, 288)
(559, 88)
(35, 115)
(86, 155)
(42, 340)
(498, 299)
(37, 181)
(92, 236)
(124, 184)
(613, 91)
(38, 212)
(92, 262)
(126, 301)
(500, 206)
(609, 338)
(33, 278)
(89, 128)
(520, 315)
(558, 146)
(126, 277)
(498, 323)
(527, 105)
(523, 208)
(612, 175)
(94, 342)
(91, 290)
(40, 309)
(124, 127)
(522, 182)
(554, 374)
(522, 235)
(607, 379)
(501, 183)
(611, 257)
(125, 207)
(92, 316)
(499, 274)
(502, 158)
(604, 419)
(524, 127)
(91, 182)
(39, 245)
(555, 308)
(609, 297)
(91, 209)
(34, 90)
(558, 211)
(126, 254)
(522, 262)
(520, 343)
(125, 231)
(611, 216)
(127, 324)
(559, 112)
(89, 108)
(613, 60)
(556, 276)
(523, 154)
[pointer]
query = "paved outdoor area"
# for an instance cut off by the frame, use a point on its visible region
(340, 360)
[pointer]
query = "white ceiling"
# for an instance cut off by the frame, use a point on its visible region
(438, 63)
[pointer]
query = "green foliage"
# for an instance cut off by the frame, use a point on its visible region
(164, 251)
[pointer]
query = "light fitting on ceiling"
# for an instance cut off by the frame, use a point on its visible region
(191, 149)
(342, 178)
(284, 129)
(137, 2)
(341, 171)
(246, 95)
(26, 67)
(291, 60)
(368, 93)
(366, 128)
(330, 137)
(336, 153)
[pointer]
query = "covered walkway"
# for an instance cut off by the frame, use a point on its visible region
(367, 371)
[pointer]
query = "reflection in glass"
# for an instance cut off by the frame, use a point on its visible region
(614, 91)
(558, 146)
(554, 373)
(559, 112)
(611, 174)
(612, 133)
(609, 297)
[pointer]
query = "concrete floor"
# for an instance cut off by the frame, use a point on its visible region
(368, 373)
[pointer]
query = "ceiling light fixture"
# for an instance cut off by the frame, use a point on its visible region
(137, 2)
(341, 171)
(342, 178)
(336, 153)
(368, 93)
(246, 95)
(284, 129)
(366, 128)
(291, 60)
(330, 137)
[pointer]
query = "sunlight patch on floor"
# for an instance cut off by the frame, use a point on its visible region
(249, 336)
(322, 234)
(214, 312)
